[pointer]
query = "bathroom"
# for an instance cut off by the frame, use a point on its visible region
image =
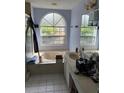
(39, 55)
(61, 33)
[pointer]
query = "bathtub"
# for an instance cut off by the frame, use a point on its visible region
(51, 55)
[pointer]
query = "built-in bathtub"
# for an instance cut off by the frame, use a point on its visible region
(50, 56)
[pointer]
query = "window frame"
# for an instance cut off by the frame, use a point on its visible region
(64, 27)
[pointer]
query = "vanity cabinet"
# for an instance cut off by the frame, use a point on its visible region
(77, 83)
(68, 77)
(72, 86)
(66, 71)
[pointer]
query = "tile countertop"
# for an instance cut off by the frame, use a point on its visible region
(83, 84)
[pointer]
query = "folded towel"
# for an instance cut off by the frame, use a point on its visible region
(31, 60)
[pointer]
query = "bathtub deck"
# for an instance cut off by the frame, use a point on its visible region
(49, 57)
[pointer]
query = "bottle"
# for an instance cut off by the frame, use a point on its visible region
(76, 50)
(82, 55)
(78, 53)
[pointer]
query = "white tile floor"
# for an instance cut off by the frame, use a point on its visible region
(46, 83)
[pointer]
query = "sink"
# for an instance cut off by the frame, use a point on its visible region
(73, 56)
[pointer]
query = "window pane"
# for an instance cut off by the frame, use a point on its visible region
(56, 18)
(47, 31)
(45, 23)
(88, 40)
(88, 37)
(54, 33)
(88, 31)
(49, 18)
(52, 40)
(61, 23)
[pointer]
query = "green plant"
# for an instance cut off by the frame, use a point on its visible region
(87, 30)
(48, 30)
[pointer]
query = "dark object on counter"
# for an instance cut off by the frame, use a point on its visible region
(85, 66)
(89, 67)
(76, 50)
(82, 49)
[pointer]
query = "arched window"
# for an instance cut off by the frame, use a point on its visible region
(52, 30)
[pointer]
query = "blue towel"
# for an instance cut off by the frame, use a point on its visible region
(32, 60)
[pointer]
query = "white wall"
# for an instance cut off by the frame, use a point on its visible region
(75, 32)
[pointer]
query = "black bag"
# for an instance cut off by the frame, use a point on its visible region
(85, 66)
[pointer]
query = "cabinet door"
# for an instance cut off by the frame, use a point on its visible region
(72, 87)
(65, 68)
(66, 71)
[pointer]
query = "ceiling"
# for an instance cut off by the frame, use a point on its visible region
(60, 4)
